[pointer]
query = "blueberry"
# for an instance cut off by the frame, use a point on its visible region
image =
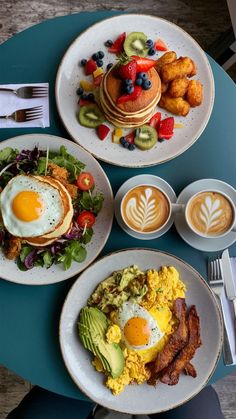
(95, 56)
(99, 63)
(101, 54)
(108, 43)
(139, 81)
(161, 140)
(80, 91)
(84, 96)
(125, 144)
(142, 76)
(151, 51)
(128, 82)
(83, 62)
(109, 66)
(129, 89)
(131, 147)
(150, 43)
(123, 140)
(147, 84)
(90, 97)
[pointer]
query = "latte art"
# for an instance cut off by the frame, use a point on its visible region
(145, 209)
(210, 213)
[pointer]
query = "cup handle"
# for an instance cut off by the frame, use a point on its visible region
(177, 208)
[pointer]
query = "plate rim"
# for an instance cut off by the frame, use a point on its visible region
(205, 59)
(36, 136)
(220, 317)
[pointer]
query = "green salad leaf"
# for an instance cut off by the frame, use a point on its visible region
(8, 154)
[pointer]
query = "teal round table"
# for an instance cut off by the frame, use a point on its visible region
(29, 316)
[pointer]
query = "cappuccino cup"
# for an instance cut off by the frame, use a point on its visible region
(146, 209)
(210, 214)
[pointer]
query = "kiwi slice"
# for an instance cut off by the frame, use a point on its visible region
(90, 116)
(136, 44)
(146, 137)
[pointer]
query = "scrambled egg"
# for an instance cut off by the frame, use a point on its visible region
(113, 334)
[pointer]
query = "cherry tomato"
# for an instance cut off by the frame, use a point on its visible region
(85, 181)
(86, 218)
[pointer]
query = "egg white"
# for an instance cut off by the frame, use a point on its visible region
(129, 310)
(52, 207)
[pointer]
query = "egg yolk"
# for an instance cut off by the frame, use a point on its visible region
(137, 331)
(27, 206)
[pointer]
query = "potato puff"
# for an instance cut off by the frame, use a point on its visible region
(194, 70)
(179, 68)
(175, 105)
(194, 94)
(178, 87)
(166, 58)
(164, 87)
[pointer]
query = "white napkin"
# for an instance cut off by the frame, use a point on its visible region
(229, 314)
(9, 103)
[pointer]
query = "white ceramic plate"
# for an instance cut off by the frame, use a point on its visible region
(139, 180)
(70, 73)
(139, 399)
(102, 228)
(201, 243)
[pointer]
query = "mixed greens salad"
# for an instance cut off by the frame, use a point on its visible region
(87, 204)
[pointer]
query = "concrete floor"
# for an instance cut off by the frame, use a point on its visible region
(206, 20)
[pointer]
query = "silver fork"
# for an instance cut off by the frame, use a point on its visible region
(25, 115)
(28, 92)
(217, 285)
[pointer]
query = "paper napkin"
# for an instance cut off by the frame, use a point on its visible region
(9, 103)
(229, 315)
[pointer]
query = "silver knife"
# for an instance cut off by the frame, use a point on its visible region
(228, 279)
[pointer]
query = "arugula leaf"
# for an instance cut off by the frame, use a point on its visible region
(8, 154)
(25, 251)
(73, 251)
(40, 170)
(47, 259)
(97, 202)
(69, 162)
(86, 238)
(91, 203)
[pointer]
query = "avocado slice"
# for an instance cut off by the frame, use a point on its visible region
(92, 327)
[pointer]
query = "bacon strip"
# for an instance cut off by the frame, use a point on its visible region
(189, 369)
(176, 342)
(172, 372)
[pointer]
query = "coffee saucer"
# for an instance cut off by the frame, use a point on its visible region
(142, 180)
(201, 243)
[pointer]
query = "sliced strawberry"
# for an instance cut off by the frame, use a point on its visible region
(128, 70)
(166, 128)
(97, 80)
(160, 45)
(117, 46)
(155, 120)
(133, 96)
(130, 137)
(90, 67)
(103, 131)
(83, 102)
(143, 64)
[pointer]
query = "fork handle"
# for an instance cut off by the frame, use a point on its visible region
(5, 89)
(227, 354)
(3, 116)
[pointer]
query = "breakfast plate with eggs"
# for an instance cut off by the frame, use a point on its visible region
(56, 209)
(145, 333)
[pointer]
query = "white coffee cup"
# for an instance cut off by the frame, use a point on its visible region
(210, 213)
(146, 209)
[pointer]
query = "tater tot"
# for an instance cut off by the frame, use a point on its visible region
(164, 87)
(177, 106)
(194, 70)
(178, 87)
(179, 68)
(194, 94)
(166, 58)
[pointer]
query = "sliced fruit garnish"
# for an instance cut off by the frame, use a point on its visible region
(130, 137)
(146, 137)
(118, 44)
(178, 125)
(90, 67)
(90, 116)
(133, 96)
(85, 181)
(166, 128)
(83, 102)
(160, 45)
(127, 68)
(143, 64)
(155, 120)
(97, 72)
(103, 130)
(86, 85)
(136, 44)
(97, 80)
(116, 135)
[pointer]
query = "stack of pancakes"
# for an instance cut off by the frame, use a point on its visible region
(132, 113)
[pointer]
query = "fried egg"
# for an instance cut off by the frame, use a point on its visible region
(139, 329)
(30, 207)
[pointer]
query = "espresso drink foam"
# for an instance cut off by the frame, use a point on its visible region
(210, 213)
(145, 209)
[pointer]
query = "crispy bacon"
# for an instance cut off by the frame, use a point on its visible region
(189, 369)
(171, 374)
(176, 342)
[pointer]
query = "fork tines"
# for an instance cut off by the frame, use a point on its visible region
(33, 113)
(39, 91)
(214, 271)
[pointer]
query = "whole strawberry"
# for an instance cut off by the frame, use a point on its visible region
(127, 70)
